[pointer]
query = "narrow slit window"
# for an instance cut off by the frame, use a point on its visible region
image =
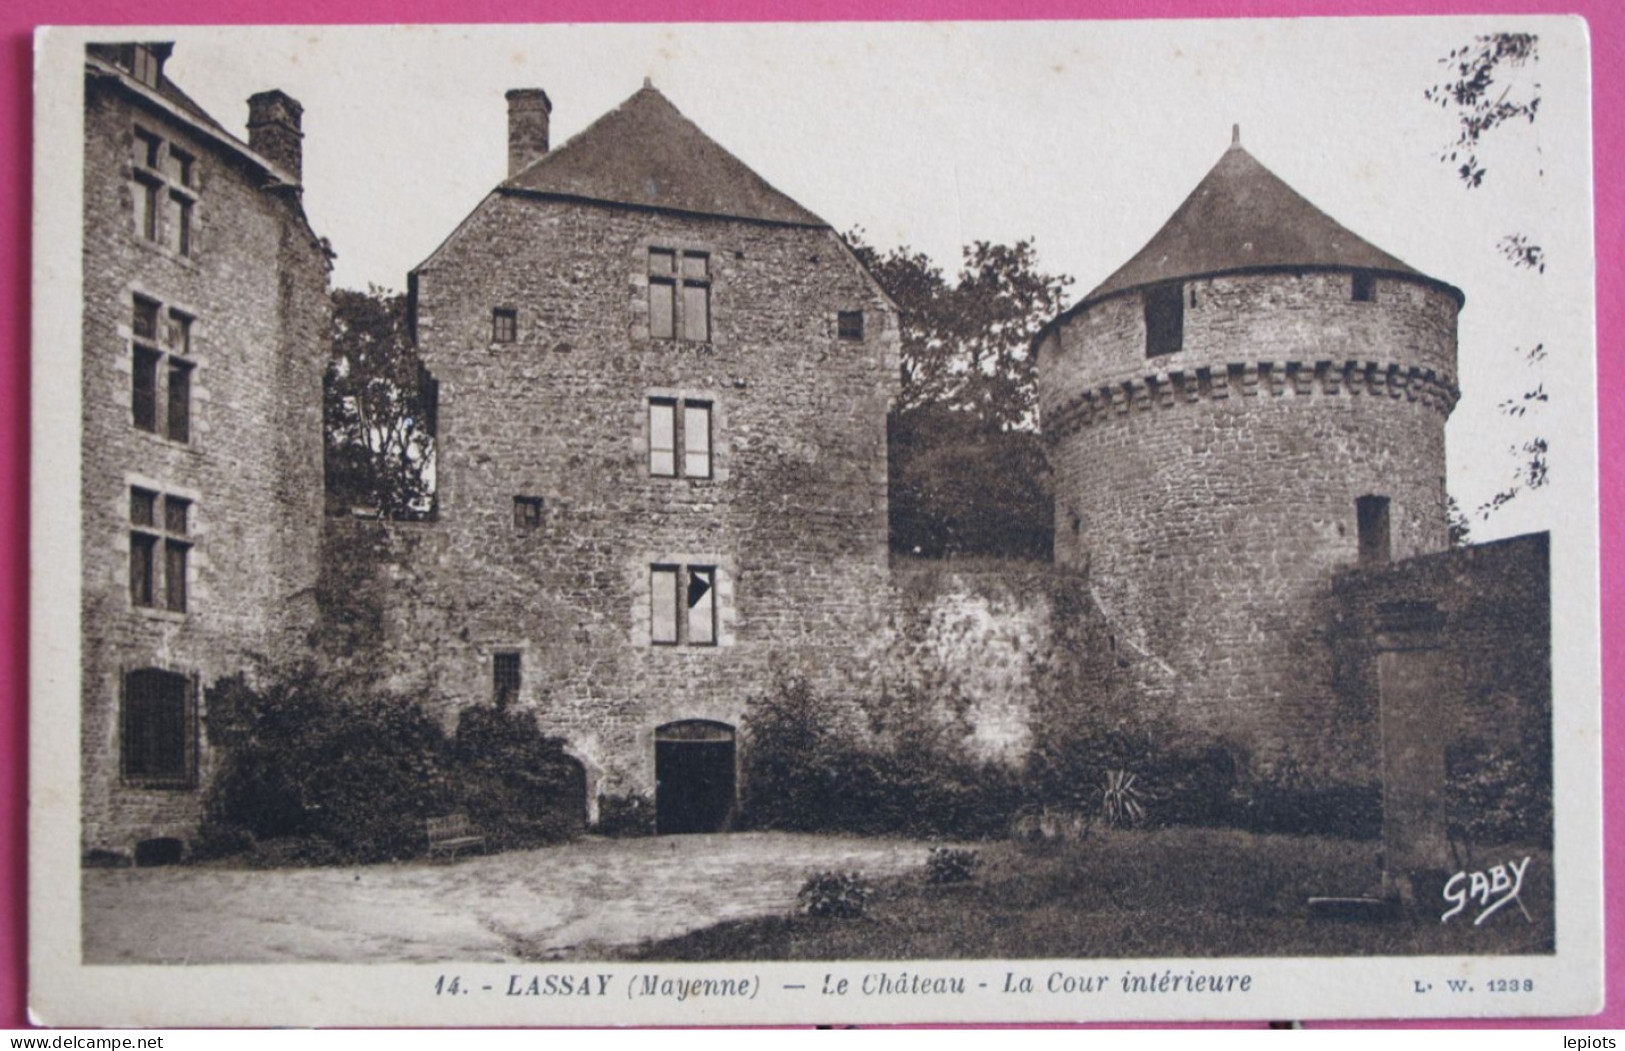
(697, 439)
(180, 401)
(1372, 513)
(147, 200)
(696, 297)
(182, 206)
(144, 388)
(663, 437)
(142, 570)
(663, 605)
(175, 555)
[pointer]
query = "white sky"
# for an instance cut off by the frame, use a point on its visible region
(1083, 135)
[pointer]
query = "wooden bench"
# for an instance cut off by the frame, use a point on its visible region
(449, 834)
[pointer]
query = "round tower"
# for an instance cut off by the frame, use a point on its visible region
(1253, 402)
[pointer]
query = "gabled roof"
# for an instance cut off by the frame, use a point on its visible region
(1241, 216)
(646, 154)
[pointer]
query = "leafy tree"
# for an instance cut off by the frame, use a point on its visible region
(379, 406)
(1486, 89)
(968, 474)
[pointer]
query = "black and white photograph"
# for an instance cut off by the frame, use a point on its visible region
(723, 524)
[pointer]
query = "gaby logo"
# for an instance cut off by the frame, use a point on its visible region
(1502, 883)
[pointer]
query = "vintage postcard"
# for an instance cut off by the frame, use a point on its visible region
(717, 524)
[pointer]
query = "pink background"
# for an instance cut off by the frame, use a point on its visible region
(20, 16)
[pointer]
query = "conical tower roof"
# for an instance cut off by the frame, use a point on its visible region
(1241, 217)
(646, 154)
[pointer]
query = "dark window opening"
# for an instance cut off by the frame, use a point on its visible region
(1164, 321)
(180, 401)
(1193, 295)
(527, 512)
(1372, 512)
(148, 149)
(144, 389)
(158, 739)
(849, 324)
(504, 325)
(147, 202)
(505, 677)
(164, 850)
(1365, 286)
(183, 223)
(175, 552)
(144, 318)
(142, 548)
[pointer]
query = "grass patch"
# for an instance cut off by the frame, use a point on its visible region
(1125, 894)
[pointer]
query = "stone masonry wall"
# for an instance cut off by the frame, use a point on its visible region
(255, 283)
(794, 516)
(1210, 494)
(1485, 608)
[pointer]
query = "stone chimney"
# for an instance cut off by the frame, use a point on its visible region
(529, 112)
(273, 131)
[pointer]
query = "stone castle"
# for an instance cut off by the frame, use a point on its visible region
(662, 471)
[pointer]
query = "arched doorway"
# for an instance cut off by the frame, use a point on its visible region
(694, 776)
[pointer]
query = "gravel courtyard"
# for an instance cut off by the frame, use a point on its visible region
(578, 900)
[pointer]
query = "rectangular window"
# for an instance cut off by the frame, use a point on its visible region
(527, 512)
(145, 66)
(180, 166)
(150, 577)
(147, 198)
(154, 328)
(148, 149)
(142, 569)
(180, 401)
(671, 444)
(697, 439)
(144, 319)
(1164, 321)
(505, 677)
(175, 552)
(1372, 514)
(663, 605)
(183, 222)
(144, 393)
(679, 295)
(702, 606)
(849, 324)
(697, 297)
(663, 437)
(1365, 286)
(504, 325)
(158, 730)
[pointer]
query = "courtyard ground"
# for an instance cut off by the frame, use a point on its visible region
(583, 899)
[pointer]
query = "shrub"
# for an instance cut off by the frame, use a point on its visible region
(353, 780)
(809, 767)
(517, 784)
(840, 895)
(632, 814)
(1285, 802)
(1498, 795)
(951, 865)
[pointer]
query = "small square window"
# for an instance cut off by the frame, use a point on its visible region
(180, 166)
(144, 319)
(180, 333)
(527, 512)
(148, 149)
(504, 325)
(849, 324)
(175, 510)
(143, 507)
(1364, 286)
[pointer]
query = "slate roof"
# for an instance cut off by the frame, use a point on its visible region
(1241, 216)
(646, 154)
